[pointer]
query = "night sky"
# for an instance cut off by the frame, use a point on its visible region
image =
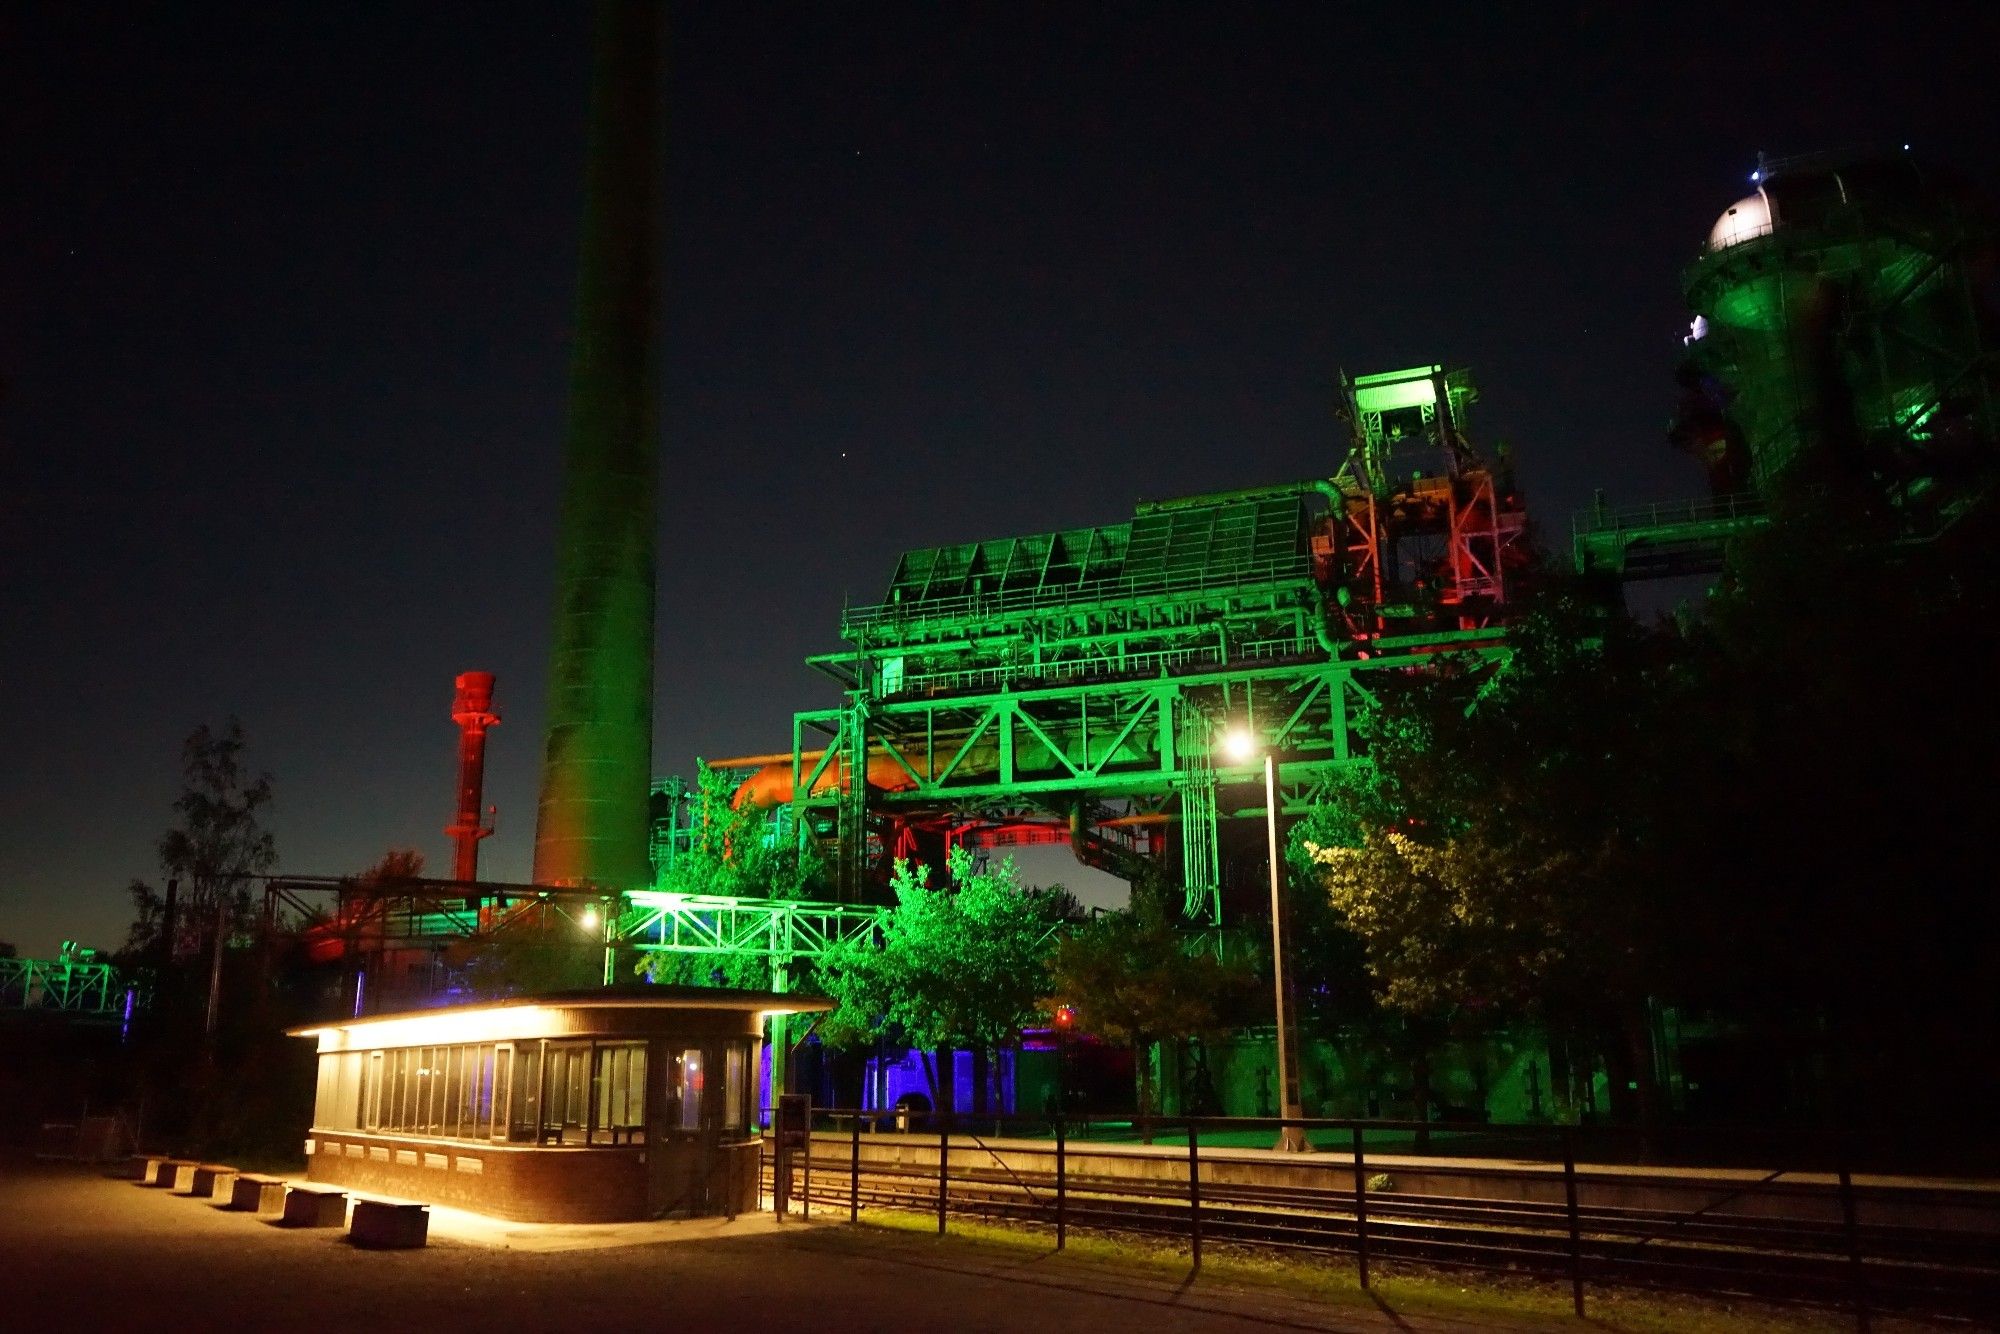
(285, 296)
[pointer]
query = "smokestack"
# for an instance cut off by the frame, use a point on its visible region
(591, 825)
(472, 710)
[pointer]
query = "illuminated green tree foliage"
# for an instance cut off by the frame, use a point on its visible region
(965, 965)
(735, 851)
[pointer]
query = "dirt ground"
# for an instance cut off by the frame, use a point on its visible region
(106, 1255)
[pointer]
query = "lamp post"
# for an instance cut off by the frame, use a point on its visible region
(1241, 746)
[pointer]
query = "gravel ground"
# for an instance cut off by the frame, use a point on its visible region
(86, 1252)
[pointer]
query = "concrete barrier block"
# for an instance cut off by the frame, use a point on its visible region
(165, 1173)
(197, 1180)
(314, 1206)
(386, 1225)
(253, 1194)
(223, 1188)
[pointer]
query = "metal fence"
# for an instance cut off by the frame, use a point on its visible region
(1511, 1199)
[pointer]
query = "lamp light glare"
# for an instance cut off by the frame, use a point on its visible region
(1239, 745)
(589, 919)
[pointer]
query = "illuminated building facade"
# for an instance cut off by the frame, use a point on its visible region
(598, 1106)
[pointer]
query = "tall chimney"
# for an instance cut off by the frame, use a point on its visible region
(591, 825)
(472, 710)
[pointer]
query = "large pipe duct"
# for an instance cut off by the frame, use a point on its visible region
(592, 825)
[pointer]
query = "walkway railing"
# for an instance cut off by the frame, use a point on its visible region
(1512, 1199)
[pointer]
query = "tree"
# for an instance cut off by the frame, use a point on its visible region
(1132, 978)
(1526, 844)
(965, 965)
(735, 850)
(219, 845)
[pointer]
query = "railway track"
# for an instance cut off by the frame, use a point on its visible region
(1919, 1271)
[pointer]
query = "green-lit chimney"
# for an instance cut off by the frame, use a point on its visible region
(591, 826)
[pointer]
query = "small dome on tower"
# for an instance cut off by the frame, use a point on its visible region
(1748, 217)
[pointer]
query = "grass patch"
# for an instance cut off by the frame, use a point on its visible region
(1398, 1286)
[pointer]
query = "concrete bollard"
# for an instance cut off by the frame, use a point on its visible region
(197, 1180)
(224, 1185)
(270, 1196)
(165, 1173)
(385, 1225)
(252, 1194)
(314, 1206)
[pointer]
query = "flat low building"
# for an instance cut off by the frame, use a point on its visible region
(597, 1106)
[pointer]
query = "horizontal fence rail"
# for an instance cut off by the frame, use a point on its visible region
(1517, 1201)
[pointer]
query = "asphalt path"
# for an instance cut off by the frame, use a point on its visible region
(82, 1251)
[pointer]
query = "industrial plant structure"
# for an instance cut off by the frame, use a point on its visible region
(1070, 687)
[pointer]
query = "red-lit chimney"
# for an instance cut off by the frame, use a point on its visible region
(472, 710)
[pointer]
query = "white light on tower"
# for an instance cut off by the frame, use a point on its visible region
(1239, 745)
(589, 919)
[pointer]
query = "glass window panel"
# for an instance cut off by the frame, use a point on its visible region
(503, 1083)
(637, 1095)
(479, 1110)
(578, 1118)
(406, 1098)
(462, 1065)
(692, 1083)
(733, 1084)
(525, 1103)
(420, 1098)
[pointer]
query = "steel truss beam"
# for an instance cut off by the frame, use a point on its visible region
(781, 930)
(95, 990)
(1148, 738)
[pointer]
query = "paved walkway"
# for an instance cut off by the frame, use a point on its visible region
(82, 1251)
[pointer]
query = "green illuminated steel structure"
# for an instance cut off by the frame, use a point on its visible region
(76, 983)
(592, 825)
(1840, 344)
(1072, 682)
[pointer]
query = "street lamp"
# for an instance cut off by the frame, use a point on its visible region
(1241, 746)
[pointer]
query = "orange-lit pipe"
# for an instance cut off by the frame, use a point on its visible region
(771, 784)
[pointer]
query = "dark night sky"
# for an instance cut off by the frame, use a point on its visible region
(285, 294)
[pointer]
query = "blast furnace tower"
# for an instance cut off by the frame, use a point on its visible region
(1840, 336)
(592, 823)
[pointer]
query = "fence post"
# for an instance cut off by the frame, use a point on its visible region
(944, 1155)
(1575, 1222)
(1194, 1193)
(1360, 1209)
(854, 1174)
(1062, 1188)
(1857, 1277)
